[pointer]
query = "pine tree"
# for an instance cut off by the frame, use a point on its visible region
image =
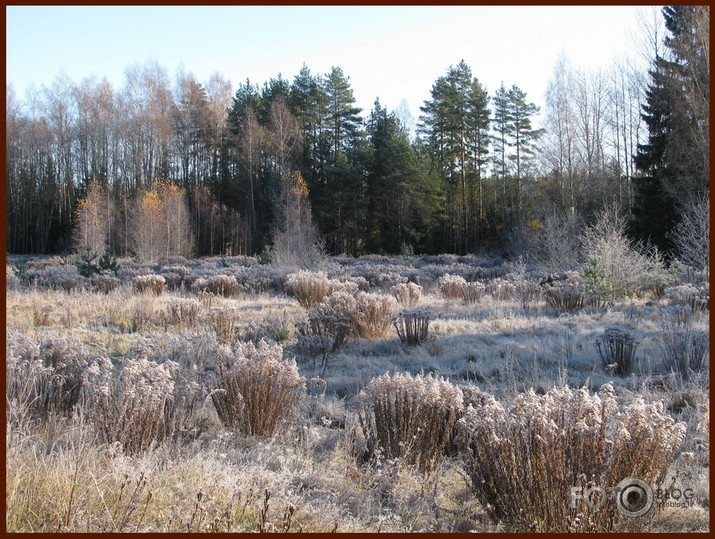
(674, 163)
(454, 124)
(343, 119)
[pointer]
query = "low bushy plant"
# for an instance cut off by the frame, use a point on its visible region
(450, 286)
(412, 326)
(684, 349)
(104, 283)
(501, 289)
(411, 417)
(183, 311)
(697, 297)
(568, 294)
(310, 287)
(149, 283)
(472, 292)
(372, 315)
(46, 376)
(128, 404)
(525, 459)
(256, 390)
(617, 349)
(223, 322)
(407, 294)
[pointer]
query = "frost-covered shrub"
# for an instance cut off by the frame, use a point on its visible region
(409, 417)
(256, 390)
(223, 322)
(372, 314)
(501, 289)
(173, 281)
(473, 292)
(407, 294)
(149, 283)
(524, 459)
(183, 311)
(617, 349)
(310, 287)
(218, 285)
(450, 286)
(412, 326)
(104, 283)
(380, 275)
(622, 264)
(568, 294)
(63, 277)
(273, 328)
(684, 349)
(128, 405)
(45, 377)
(698, 297)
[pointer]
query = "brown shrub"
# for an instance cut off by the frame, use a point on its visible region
(257, 390)
(149, 283)
(409, 417)
(525, 460)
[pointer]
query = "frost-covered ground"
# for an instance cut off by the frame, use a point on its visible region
(61, 476)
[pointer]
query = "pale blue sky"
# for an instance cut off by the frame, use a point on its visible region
(393, 52)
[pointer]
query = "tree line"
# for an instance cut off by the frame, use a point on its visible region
(209, 170)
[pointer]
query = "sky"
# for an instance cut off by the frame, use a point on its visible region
(392, 52)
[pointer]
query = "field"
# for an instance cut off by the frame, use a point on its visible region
(135, 403)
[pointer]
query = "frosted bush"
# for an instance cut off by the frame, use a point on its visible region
(310, 287)
(372, 315)
(173, 281)
(149, 283)
(183, 311)
(407, 294)
(104, 283)
(409, 417)
(223, 321)
(697, 297)
(524, 459)
(218, 285)
(501, 289)
(380, 275)
(472, 292)
(63, 277)
(684, 349)
(128, 405)
(45, 376)
(450, 286)
(623, 265)
(328, 327)
(617, 349)
(568, 294)
(256, 390)
(412, 326)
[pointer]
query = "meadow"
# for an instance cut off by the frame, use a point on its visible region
(374, 394)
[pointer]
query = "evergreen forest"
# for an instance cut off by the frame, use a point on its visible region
(198, 169)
